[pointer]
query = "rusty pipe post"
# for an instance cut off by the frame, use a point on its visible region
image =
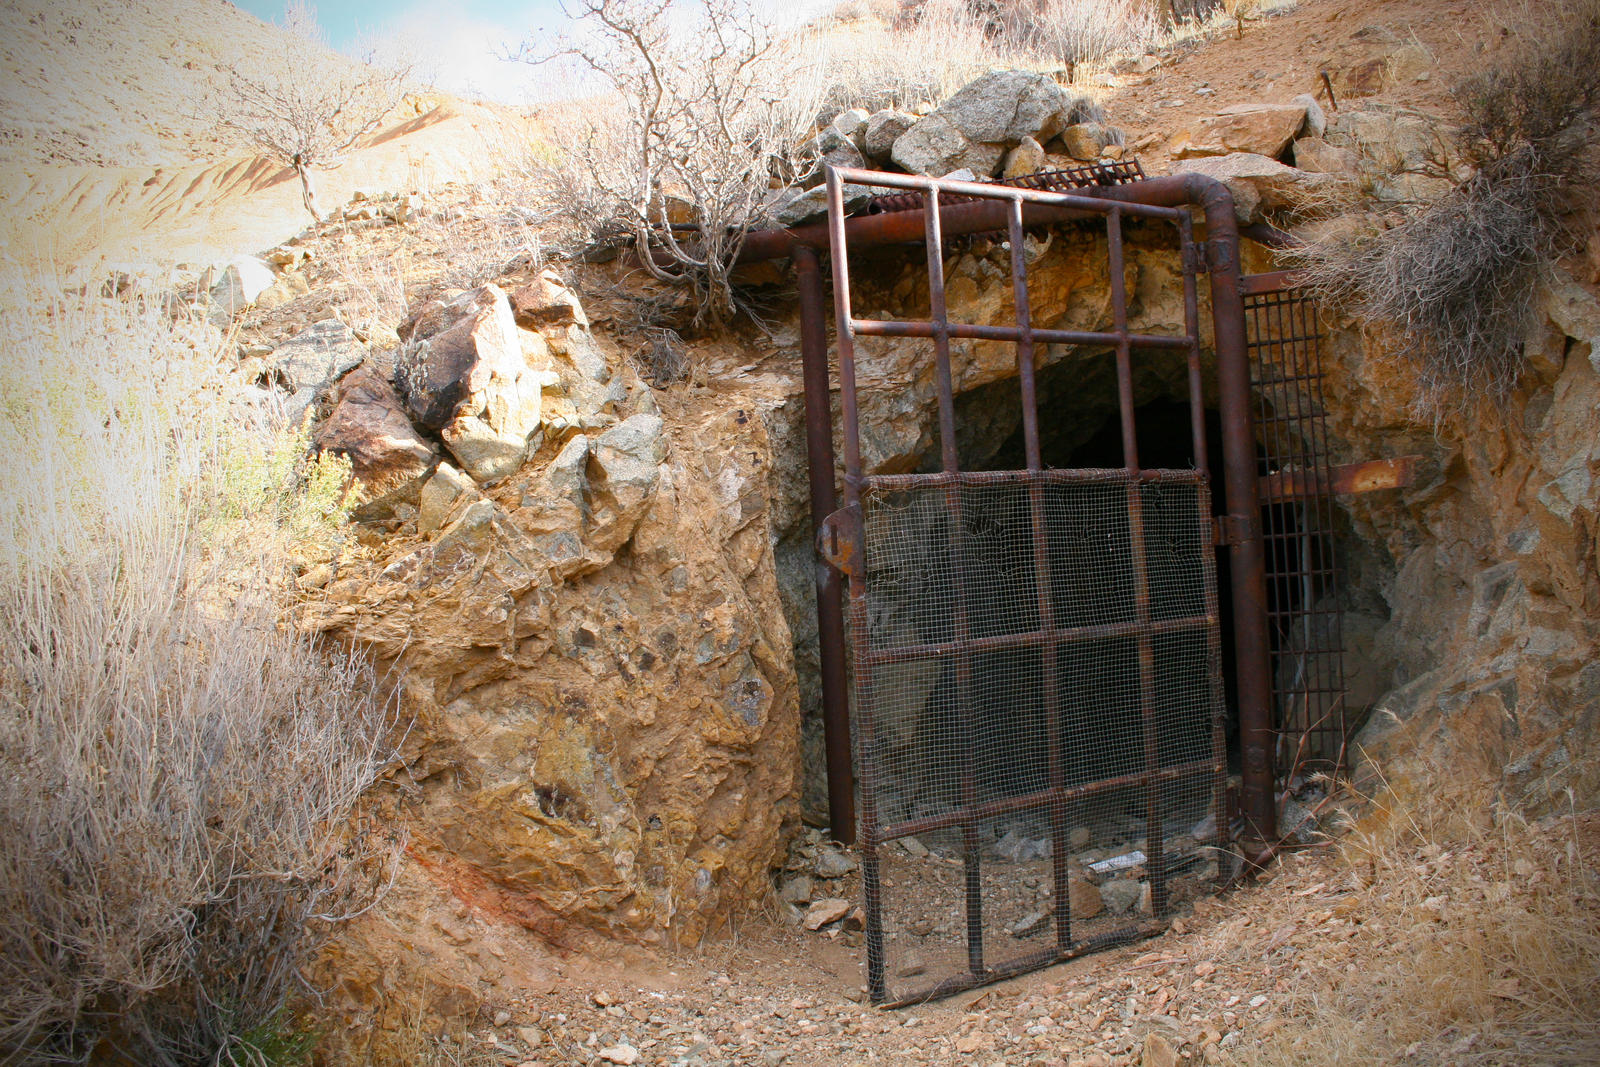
(824, 501)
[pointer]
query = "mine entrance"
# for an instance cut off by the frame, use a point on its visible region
(1037, 661)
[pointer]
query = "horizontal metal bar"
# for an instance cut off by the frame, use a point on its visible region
(1267, 283)
(983, 191)
(1034, 961)
(893, 483)
(971, 331)
(1005, 805)
(1368, 477)
(1035, 638)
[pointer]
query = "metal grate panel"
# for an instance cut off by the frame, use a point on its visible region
(1038, 693)
(1312, 717)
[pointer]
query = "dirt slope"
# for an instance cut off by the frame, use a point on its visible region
(108, 153)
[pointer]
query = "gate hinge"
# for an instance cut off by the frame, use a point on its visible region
(1194, 259)
(839, 539)
(1232, 529)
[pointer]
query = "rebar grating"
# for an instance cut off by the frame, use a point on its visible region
(1064, 179)
(1038, 717)
(1312, 718)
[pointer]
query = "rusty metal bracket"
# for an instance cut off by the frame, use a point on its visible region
(1233, 529)
(1345, 479)
(1221, 256)
(839, 539)
(1195, 258)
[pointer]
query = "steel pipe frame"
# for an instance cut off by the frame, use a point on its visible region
(1246, 553)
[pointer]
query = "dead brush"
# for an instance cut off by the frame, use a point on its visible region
(180, 764)
(1451, 283)
(1469, 934)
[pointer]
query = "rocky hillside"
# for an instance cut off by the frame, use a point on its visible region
(584, 559)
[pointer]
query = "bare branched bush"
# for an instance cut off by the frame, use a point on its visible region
(1453, 282)
(704, 112)
(180, 765)
(306, 107)
(1081, 31)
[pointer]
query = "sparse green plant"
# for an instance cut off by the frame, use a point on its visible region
(1453, 281)
(181, 764)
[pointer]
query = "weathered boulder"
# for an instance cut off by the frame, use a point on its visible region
(469, 380)
(796, 206)
(308, 364)
(936, 146)
(441, 494)
(1261, 129)
(883, 128)
(546, 301)
(1260, 185)
(974, 128)
(1394, 140)
(235, 286)
(368, 425)
(1086, 140)
(624, 466)
(830, 149)
(1027, 158)
(850, 125)
(1319, 157)
(1004, 106)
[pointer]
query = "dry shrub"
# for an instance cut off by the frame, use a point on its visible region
(709, 103)
(1473, 938)
(1453, 281)
(180, 765)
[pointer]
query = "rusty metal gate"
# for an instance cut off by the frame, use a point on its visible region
(1312, 720)
(1038, 712)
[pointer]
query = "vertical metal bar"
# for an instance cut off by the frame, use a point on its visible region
(1060, 871)
(830, 598)
(1154, 853)
(1119, 312)
(971, 844)
(1191, 326)
(871, 875)
(1247, 570)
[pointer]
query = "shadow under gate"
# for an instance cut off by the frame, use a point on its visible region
(1037, 671)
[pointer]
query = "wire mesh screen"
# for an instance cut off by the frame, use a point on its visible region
(1038, 717)
(1303, 576)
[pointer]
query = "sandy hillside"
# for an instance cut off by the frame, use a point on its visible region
(108, 152)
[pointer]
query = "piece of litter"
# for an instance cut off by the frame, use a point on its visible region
(1118, 863)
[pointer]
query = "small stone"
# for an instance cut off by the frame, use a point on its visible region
(1158, 1052)
(825, 911)
(1027, 158)
(626, 1055)
(911, 965)
(531, 1035)
(602, 999)
(1079, 838)
(969, 1043)
(797, 890)
(855, 918)
(502, 1018)
(1258, 1000)
(833, 864)
(914, 847)
(1029, 925)
(1121, 894)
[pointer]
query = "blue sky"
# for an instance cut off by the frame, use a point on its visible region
(458, 40)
